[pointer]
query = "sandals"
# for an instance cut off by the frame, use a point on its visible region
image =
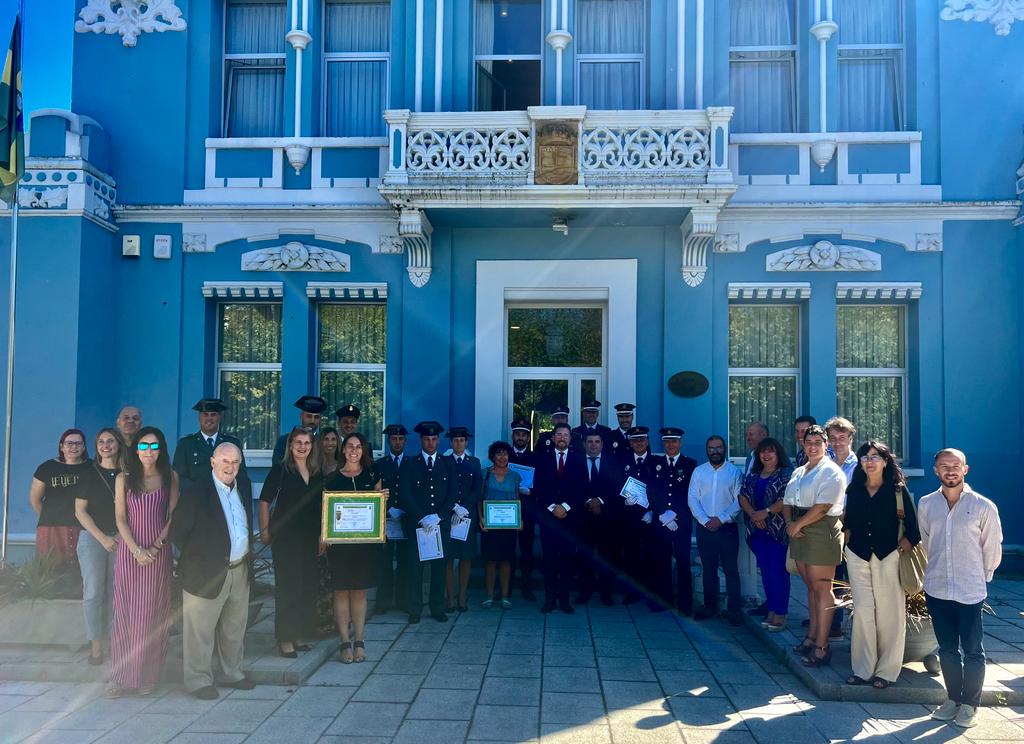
(803, 647)
(115, 691)
(360, 653)
(816, 661)
(147, 690)
(343, 648)
(854, 680)
(301, 647)
(880, 684)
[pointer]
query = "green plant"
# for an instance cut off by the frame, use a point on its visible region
(44, 577)
(917, 606)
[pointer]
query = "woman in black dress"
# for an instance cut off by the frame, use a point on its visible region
(354, 568)
(294, 487)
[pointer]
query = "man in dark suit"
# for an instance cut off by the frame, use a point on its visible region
(546, 439)
(596, 559)
(311, 412)
(617, 440)
(393, 589)
(212, 529)
(559, 484)
(427, 488)
(638, 463)
(590, 425)
(193, 453)
(521, 455)
(671, 531)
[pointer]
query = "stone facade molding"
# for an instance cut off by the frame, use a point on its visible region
(129, 18)
(195, 242)
(415, 230)
(296, 256)
(928, 243)
(1000, 13)
(246, 290)
(823, 255)
(351, 291)
(769, 290)
(878, 290)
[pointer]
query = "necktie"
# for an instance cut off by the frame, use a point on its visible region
(396, 461)
(459, 461)
(561, 462)
(672, 462)
(593, 467)
(430, 462)
(209, 441)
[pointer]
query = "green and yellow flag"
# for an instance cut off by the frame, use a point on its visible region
(12, 126)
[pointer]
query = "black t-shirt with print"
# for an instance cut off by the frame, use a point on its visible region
(63, 483)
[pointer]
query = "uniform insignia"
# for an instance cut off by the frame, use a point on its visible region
(614, 445)
(628, 467)
(657, 467)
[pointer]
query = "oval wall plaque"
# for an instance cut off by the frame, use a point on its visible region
(688, 384)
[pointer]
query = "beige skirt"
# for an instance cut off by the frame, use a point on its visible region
(822, 543)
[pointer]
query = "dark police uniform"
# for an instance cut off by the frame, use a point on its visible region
(582, 431)
(527, 535)
(393, 590)
(633, 529)
(617, 444)
(673, 485)
(546, 439)
(424, 490)
(193, 452)
(469, 485)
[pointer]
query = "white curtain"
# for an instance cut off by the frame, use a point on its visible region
(613, 27)
(870, 80)
(362, 26)
(761, 83)
(484, 37)
(609, 85)
(255, 87)
(357, 88)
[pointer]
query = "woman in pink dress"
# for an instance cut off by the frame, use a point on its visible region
(144, 499)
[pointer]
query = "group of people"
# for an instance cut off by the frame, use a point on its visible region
(612, 516)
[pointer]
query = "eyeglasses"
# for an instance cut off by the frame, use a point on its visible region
(69, 443)
(871, 458)
(143, 446)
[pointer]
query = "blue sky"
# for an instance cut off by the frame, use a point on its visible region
(49, 32)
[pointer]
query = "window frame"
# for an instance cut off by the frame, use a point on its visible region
(380, 367)
(894, 52)
(227, 71)
(254, 457)
(901, 372)
(638, 58)
(326, 58)
(795, 372)
(477, 58)
(737, 51)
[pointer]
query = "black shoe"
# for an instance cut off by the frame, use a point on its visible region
(414, 619)
(567, 608)
(735, 618)
(583, 597)
(704, 613)
(760, 611)
(241, 684)
(631, 599)
(547, 607)
(206, 693)
(607, 601)
(529, 596)
(439, 616)
(302, 647)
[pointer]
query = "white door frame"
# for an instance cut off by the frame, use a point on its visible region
(612, 282)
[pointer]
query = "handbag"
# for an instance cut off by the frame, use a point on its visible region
(790, 562)
(913, 561)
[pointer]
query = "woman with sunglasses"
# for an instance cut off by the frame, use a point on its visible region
(55, 486)
(145, 496)
(813, 504)
(873, 548)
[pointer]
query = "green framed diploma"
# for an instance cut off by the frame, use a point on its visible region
(353, 517)
(503, 515)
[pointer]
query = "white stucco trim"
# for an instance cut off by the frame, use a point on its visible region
(878, 290)
(769, 290)
(550, 281)
(234, 289)
(362, 291)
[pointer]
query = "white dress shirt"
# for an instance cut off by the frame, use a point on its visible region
(238, 521)
(848, 466)
(964, 545)
(714, 492)
(824, 484)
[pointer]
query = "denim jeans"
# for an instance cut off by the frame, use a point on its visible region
(958, 626)
(97, 586)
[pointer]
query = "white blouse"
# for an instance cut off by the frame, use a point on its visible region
(823, 484)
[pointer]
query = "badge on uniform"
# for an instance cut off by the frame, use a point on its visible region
(657, 467)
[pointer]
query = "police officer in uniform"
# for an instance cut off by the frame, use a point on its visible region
(348, 420)
(393, 589)
(618, 438)
(311, 411)
(671, 529)
(193, 453)
(590, 425)
(545, 440)
(640, 464)
(521, 455)
(427, 489)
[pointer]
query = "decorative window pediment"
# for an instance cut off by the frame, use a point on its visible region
(296, 256)
(350, 291)
(769, 290)
(252, 290)
(824, 255)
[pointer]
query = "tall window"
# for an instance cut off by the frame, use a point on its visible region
(357, 43)
(351, 356)
(764, 370)
(610, 53)
(249, 371)
(870, 65)
(509, 37)
(871, 371)
(762, 65)
(254, 49)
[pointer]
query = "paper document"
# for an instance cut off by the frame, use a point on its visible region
(354, 517)
(525, 472)
(635, 492)
(460, 528)
(429, 545)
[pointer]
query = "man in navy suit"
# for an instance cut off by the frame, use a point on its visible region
(559, 484)
(597, 558)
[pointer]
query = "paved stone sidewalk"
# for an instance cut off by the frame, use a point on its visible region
(607, 675)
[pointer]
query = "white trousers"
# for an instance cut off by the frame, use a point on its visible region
(879, 616)
(216, 626)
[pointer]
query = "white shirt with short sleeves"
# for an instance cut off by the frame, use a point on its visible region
(825, 483)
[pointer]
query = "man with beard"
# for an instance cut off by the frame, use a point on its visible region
(521, 455)
(714, 502)
(398, 555)
(618, 438)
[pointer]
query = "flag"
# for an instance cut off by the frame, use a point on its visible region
(12, 125)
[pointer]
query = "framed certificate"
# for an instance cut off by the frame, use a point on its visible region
(353, 517)
(503, 515)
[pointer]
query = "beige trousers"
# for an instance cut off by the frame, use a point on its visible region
(879, 616)
(216, 626)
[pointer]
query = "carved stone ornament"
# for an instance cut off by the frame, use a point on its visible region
(50, 197)
(295, 256)
(928, 242)
(1000, 13)
(194, 242)
(129, 18)
(727, 243)
(391, 244)
(824, 256)
(557, 146)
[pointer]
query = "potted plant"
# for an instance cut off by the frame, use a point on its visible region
(41, 602)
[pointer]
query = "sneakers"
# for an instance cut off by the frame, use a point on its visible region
(964, 717)
(946, 712)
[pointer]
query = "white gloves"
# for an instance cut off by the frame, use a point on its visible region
(647, 518)
(460, 511)
(672, 526)
(394, 512)
(668, 516)
(430, 522)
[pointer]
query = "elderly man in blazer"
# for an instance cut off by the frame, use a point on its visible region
(212, 528)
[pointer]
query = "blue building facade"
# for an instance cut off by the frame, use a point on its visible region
(470, 210)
